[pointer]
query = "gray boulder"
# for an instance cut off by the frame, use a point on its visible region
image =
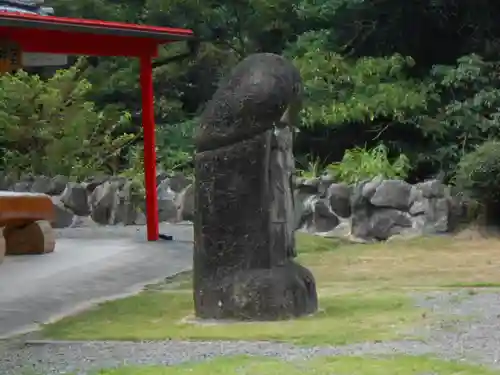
(75, 198)
(392, 194)
(339, 198)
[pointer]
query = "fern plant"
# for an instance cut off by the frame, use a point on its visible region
(311, 168)
(360, 164)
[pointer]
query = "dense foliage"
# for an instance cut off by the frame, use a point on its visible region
(49, 127)
(359, 164)
(420, 77)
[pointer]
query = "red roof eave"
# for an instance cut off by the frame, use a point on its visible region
(63, 35)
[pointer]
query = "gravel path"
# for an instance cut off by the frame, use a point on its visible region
(89, 265)
(181, 231)
(469, 330)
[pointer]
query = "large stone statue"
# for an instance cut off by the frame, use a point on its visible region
(244, 223)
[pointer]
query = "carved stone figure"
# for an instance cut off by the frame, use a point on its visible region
(244, 209)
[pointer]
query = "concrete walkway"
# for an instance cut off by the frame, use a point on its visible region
(89, 265)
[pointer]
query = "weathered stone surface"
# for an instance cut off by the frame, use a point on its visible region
(35, 238)
(260, 91)
(178, 182)
(83, 222)
(185, 204)
(6, 181)
(63, 218)
(230, 201)
(437, 215)
(304, 208)
(281, 167)
(284, 291)
(127, 207)
(94, 181)
(22, 186)
(306, 193)
(387, 222)
(321, 218)
(309, 185)
(108, 200)
(392, 193)
(42, 184)
(244, 208)
(370, 187)
(324, 182)
(103, 202)
(47, 185)
(339, 196)
(75, 198)
(361, 209)
(419, 207)
(115, 201)
(167, 206)
(58, 185)
(383, 209)
(432, 188)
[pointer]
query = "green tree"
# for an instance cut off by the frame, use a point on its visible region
(465, 110)
(478, 177)
(48, 127)
(417, 76)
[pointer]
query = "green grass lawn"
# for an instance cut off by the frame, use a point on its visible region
(363, 292)
(401, 365)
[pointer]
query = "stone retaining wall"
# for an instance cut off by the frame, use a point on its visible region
(373, 210)
(107, 200)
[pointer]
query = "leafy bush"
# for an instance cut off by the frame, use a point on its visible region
(359, 164)
(48, 127)
(478, 173)
(176, 146)
(135, 169)
(310, 167)
(466, 109)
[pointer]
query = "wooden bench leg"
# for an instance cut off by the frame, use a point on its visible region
(34, 238)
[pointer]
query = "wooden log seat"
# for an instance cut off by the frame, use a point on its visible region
(26, 218)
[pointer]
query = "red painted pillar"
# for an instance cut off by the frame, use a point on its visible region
(148, 124)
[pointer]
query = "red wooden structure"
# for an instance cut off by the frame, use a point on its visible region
(59, 35)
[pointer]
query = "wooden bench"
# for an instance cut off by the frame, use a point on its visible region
(25, 219)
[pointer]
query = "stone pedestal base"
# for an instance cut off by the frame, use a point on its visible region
(34, 238)
(281, 292)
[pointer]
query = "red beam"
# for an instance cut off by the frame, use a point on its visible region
(55, 41)
(148, 124)
(90, 26)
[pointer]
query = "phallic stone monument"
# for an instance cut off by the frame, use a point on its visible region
(244, 222)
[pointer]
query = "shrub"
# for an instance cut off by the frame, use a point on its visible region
(176, 146)
(478, 174)
(48, 127)
(309, 168)
(360, 164)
